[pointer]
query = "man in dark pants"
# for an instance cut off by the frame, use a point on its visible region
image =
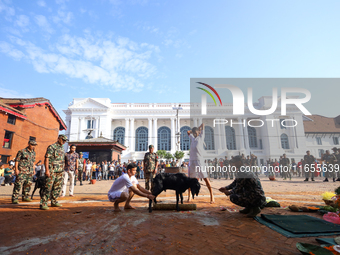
(309, 166)
(246, 190)
(24, 171)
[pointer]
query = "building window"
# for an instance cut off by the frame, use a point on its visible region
(335, 140)
(185, 140)
(164, 138)
(141, 139)
(4, 159)
(230, 136)
(252, 137)
(119, 135)
(318, 141)
(209, 138)
(11, 119)
(261, 145)
(90, 124)
(284, 141)
(262, 162)
(321, 152)
(282, 127)
(32, 138)
(8, 139)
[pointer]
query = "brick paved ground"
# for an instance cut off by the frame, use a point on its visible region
(86, 224)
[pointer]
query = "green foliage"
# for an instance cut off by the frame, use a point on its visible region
(168, 156)
(337, 191)
(161, 153)
(179, 154)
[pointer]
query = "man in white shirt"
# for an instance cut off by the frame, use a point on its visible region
(196, 161)
(88, 170)
(125, 187)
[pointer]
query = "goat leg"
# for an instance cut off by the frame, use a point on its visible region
(35, 188)
(181, 198)
(150, 206)
(177, 200)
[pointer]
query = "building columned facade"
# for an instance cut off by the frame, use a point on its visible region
(137, 125)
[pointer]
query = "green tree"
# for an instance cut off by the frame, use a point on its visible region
(179, 155)
(161, 154)
(168, 156)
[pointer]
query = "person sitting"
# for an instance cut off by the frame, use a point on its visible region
(2, 173)
(246, 190)
(9, 176)
(124, 188)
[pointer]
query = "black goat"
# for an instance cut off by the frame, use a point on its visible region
(178, 182)
(39, 184)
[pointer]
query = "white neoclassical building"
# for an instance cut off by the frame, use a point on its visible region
(137, 125)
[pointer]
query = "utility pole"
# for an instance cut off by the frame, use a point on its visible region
(177, 132)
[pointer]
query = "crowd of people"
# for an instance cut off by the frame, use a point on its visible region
(60, 167)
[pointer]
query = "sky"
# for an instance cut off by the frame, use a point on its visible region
(136, 51)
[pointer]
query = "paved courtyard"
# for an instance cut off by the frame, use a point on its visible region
(86, 224)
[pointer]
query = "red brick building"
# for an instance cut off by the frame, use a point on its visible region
(25, 119)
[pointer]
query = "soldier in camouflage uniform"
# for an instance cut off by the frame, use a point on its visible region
(246, 190)
(337, 164)
(329, 160)
(226, 165)
(150, 166)
(285, 162)
(308, 161)
(253, 163)
(24, 170)
(54, 166)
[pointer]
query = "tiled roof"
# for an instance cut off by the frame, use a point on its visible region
(21, 103)
(322, 124)
(8, 109)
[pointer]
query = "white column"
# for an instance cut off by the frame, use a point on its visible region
(97, 128)
(155, 134)
(150, 131)
(132, 134)
(246, 135)
(217, 137)
(195, 122)
(223, 137)
(127, 133)
(173, 135)
(240, 133)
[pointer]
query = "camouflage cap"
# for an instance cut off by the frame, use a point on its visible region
(80, 153)
(64, 137)
(32, 142)
(334, 148)
(150, 146)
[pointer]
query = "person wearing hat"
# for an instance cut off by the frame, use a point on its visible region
(24, 171)
(81, 169)
(329, 160)
(337, 164)
(54, 172)
(150, 166)
(309, 166)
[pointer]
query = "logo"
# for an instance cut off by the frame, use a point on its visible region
(239, 105)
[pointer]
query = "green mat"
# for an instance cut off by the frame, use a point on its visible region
(299, 225)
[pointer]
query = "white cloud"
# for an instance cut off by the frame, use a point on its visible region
(116, 65)
(62, 16)
(11, 51)
(41, 3)
(22, 21)
(43, 23)
(9, 11)
(8, 93)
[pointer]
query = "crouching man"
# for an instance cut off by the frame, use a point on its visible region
(125, 187)
(245, 190)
